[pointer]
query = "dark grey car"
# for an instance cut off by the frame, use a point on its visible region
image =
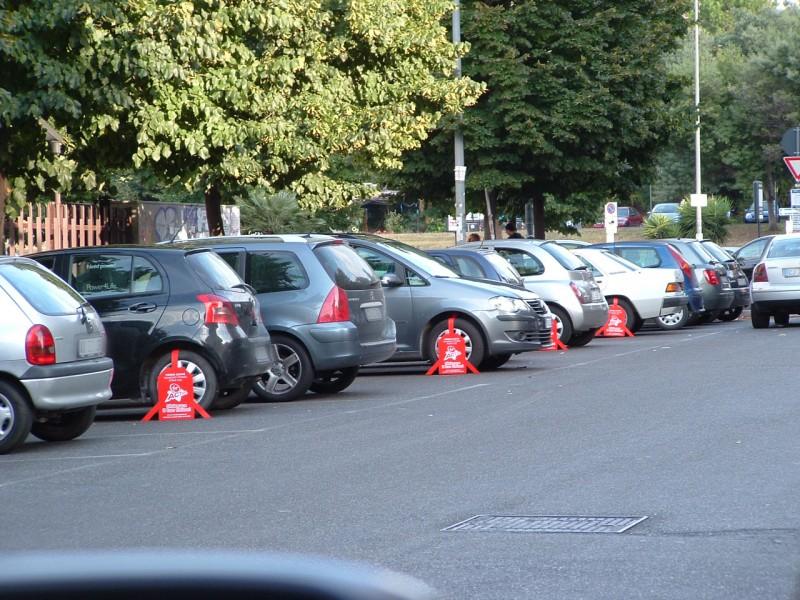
(322, 304)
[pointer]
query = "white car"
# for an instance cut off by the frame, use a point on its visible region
(775, 285)
(642, 293)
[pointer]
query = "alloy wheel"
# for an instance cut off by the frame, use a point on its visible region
(199, 383)
(284, 377)
(464, 336)
(6, 417)
(671, 320)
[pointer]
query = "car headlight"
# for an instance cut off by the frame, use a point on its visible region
(508, 305)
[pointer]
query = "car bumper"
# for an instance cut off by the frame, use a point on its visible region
(591, 316)
(718, 299)
(775, 298)
(67, 386)
(741, 297)
(339, 346)
(243, 358)
(512, 334)
(673, 304)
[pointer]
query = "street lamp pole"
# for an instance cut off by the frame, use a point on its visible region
(460, 171)
(697, 117)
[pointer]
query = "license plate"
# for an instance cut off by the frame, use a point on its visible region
(791, 272)
(373, 313)
(90, 347)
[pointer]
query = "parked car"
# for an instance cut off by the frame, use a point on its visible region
(479, 263)
(775, 286)
(750, 217)
(749, 255)
(562, 281)
(642, 293)
(739, 282)
(627, 216)
(153, 299)
(671, 210)
(572, 244)
(496, 321)
(53, 368)
(658, 254)
(323, 305)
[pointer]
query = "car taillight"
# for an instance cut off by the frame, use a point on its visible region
(711, 276)
(335, 308)
(760, 273)
(674, 287)
(40, 347)
(684, 266)
(219, 311)
(578, 293)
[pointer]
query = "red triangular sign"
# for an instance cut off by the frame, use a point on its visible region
(793, 162)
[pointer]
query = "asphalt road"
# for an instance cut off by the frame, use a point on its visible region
(697, 430)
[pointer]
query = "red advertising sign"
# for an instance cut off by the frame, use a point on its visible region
(616, 325)
(175, 395)
(452, 351)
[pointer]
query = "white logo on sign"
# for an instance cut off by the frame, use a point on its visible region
(175, 393)
(451, 353)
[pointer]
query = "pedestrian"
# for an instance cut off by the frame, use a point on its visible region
(511, 231)
(474, 237)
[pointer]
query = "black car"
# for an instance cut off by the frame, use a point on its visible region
(152, 300)
(479, 263)
(739, 282)
(749, 255)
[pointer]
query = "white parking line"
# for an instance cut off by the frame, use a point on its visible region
(95, 456)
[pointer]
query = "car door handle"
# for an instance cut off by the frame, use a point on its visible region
(142, 307)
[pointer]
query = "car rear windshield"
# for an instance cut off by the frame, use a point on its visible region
(717, 252)
(507, 272)
(787, 247)
(665, 208)
(690, 255)
(704, 252)
(564, 257)
(418, 259)
(44, 291)
(213, 270)
(347, 269)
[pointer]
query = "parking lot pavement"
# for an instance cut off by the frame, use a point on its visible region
(695, 429)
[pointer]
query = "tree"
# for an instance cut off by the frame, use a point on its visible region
(576, 102)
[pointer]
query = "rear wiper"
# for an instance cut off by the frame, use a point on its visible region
(245, 286)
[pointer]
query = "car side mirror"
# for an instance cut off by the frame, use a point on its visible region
(391, 280)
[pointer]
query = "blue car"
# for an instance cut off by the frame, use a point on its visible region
(654, 254)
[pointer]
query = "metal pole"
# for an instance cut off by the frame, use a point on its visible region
(460, 170)
(697, 114)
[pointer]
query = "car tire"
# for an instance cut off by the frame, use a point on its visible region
(708, 317)
(294, 376)
(631, 317)
(228, 399)
(563, 323)
(65, 426)
(781, 319)
(673, 321)
(333, 382)
(759, 320)
(490, 363)
(581, 338)
(476, 351)
(16, 417)
(731, 314)
(203, 375)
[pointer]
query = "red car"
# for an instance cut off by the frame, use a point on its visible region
(627, 216)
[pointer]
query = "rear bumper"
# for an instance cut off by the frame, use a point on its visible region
(775, 298)
(673, 304)
(69, 386)
(592, 316)
(339, 346)
(243, 358)
(718, 299)
(512, 334)
(741, 297)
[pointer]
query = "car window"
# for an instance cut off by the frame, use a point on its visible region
(784, 247)
(690, 254)
(469, 267)
(622, 211)
(347, 269)
(717, 252)
(590, 266)
(234, 259)
(44, 291)
(564, 257)
(379, 262)
(275, 272)
(525, 263)
(647, 258)
(752, 250)
(214, 271)
(622, 261)
(97, 275)
(442, 259)
(46, 261)
(146, 277)
(703, 252)
(417, 258)
(507, 272)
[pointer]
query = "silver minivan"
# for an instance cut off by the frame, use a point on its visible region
(53, 367)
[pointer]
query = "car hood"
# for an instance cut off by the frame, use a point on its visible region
(489, 287)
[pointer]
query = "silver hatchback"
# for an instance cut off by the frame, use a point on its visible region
(53, 368)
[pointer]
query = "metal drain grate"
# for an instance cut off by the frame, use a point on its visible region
(546, 524)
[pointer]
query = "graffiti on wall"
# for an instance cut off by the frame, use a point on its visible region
(161, 222)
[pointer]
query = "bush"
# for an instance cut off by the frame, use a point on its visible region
(659, 227)
(262, 212)
(715, 219)
(394, 222)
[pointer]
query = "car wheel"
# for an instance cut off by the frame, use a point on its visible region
(204, 377)
(291, 377)
(490, 363)
(333, 382)
(581, 338)
(731, 314)
(708, 317)
(782, 319)
(16, 417)
(631, 318)
(759, 320)
(228, 399)
(563, 323)
(674, 320)
(65, 426)
(473, 340)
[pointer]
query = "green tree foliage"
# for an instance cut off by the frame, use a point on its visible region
(219, 95)
(715, 219)
(575, 107)
(264, 212)
(659, 227)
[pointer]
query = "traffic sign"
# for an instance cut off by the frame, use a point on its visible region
(793, 162)
(790, 142)
(610, 213)
(700, 200)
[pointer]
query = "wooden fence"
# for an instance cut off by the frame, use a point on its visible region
(56, 225)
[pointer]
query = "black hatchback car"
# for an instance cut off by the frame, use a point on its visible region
(152, 300)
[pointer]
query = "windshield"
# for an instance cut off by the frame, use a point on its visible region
(704, 253)
(212, 269)
(665, 208)
(564, 257)
(345, 267)
(623, 212)
(418, 258)
(784, 247)
(605, 261)
(504, 268)
(44, 291)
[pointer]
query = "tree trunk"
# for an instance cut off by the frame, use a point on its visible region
(489, 223)
(421, 213)
(538, 216)
(769, 188)
(214, 211)
(3, 195)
